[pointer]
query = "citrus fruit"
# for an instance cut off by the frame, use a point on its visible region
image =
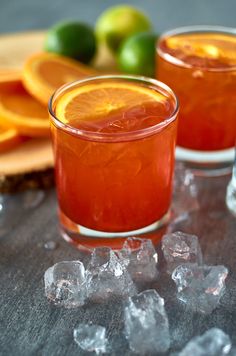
(100, 100)
(43, 73)
(119, 22)
(137, 54)
(20, 111)
(9, 139)
(72, 39)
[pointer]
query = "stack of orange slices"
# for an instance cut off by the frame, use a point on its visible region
(24, 96)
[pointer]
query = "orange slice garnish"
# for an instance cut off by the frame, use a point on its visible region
(20, 111)
(204, 45)
(43, 73)
(93, 101)
(9, 139)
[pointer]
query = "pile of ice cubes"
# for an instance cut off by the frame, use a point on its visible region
(116, 273)
(199, 286)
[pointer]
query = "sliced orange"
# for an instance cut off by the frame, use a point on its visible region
(205, 45)
(92, 101)
(19, 110)
(9, 138)
(43, 73)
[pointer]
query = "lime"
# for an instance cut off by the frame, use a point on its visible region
(72, 39)
(137, 54)
(118, 22)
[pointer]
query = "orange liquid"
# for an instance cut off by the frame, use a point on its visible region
(121, 185)
(201, 69)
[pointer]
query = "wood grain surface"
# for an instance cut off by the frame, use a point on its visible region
(35, 155)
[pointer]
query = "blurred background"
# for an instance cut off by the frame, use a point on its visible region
(20, 15)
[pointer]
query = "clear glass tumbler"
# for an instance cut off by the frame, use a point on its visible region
(114, 142)
(199, 64)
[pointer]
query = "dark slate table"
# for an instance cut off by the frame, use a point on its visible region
(29, 325)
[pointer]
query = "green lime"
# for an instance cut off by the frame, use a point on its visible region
(72, 39)
(119, 22)
(137, 54)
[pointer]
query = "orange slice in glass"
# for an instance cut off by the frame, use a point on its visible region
(204, 45)
(9, 139)
(20, 111)
(43, 73)
(93, 101)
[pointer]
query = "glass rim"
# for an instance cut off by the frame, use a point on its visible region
(194, 29)
(114, 137)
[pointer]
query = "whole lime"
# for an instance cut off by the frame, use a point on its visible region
(72, 39)
(137, 54)
(118, 22)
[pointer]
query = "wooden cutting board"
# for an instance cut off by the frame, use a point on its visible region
(34, 156)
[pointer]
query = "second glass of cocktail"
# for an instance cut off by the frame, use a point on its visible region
(114, 142)
(199, 64)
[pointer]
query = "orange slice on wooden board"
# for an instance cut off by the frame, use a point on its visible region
(43, 73)
(9, 139)
(19, 110)
(93, 101)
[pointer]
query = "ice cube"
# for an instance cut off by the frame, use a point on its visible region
(91, 338)
(146, 323)
(185, 198)
(213, 342)
(65, 284)
(200, 287)
(107, 275)
(141, 258)
(179, 248)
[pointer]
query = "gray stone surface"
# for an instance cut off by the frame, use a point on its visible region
(29, 325)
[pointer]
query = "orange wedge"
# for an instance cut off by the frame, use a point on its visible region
(92, 101)
(9, 138)
(20, 111)
(43, 73)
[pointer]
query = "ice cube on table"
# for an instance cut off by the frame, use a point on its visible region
(185, 191)
(141, 258)
(146, 323)
(200, 287)
(179, 248)
(213, 342)
(65, 284)
(91, 338)
(107, 275)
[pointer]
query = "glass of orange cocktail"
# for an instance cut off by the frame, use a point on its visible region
(199, 64)
(114, 142)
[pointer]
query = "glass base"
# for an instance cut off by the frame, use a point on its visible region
(87, 239)
(207, 163)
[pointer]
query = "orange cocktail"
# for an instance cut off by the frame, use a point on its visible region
(114, 140)
(199, 64)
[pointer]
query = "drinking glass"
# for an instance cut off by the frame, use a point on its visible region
(114, 171)
(199, 64)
